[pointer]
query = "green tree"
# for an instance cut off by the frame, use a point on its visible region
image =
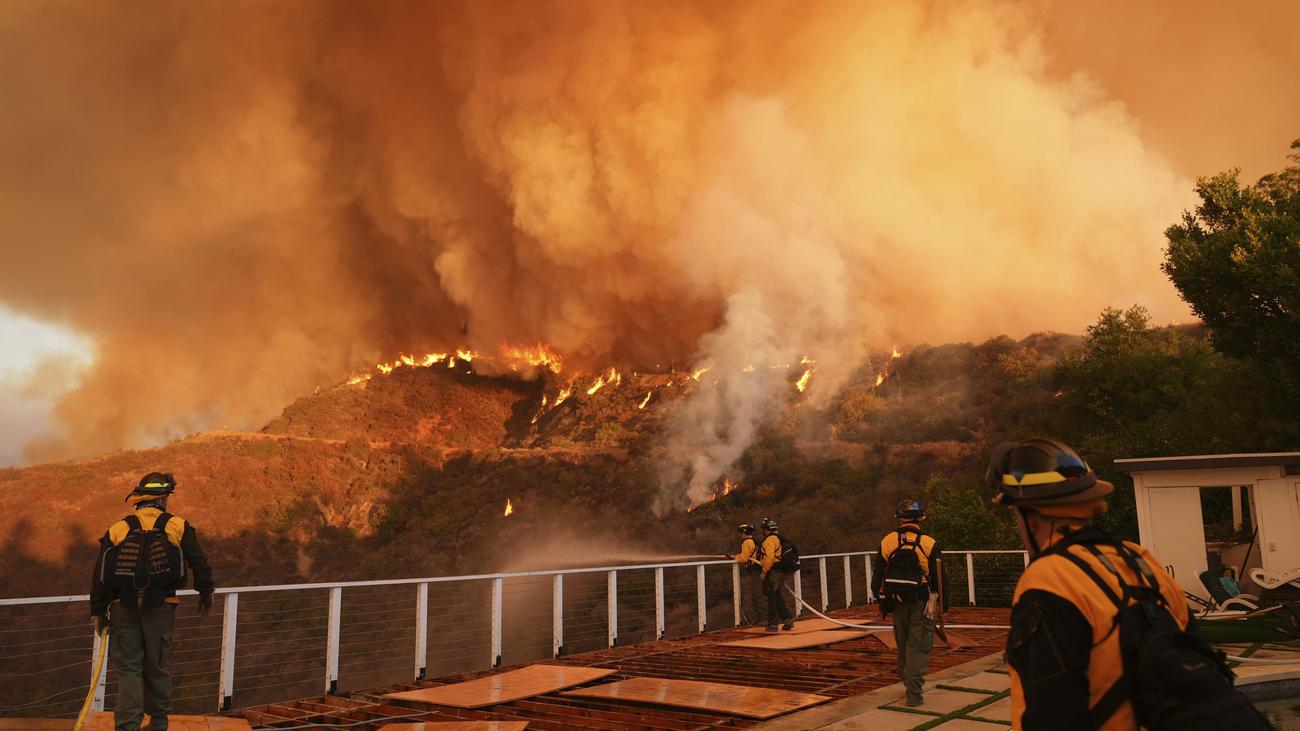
(1236, 260)
(965, 518)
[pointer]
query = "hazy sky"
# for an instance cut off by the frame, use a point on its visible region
(239, 201)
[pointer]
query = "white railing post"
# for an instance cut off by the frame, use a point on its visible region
(612, 605)
(970, 577)
(735, 591)
(97, 701)
(659, 603)
(421, 629)
(226, 680)
(871, 595)
(557, 615)
(497, 591)
(332, 641)
(848, 582)
(798, 593)
(701, 609)
(826, 594)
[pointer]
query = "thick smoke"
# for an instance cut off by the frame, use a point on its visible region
(241, 201)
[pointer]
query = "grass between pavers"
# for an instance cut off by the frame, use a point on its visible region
(960, 712)
(964, 689)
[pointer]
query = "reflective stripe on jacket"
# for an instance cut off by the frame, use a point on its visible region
(1058, 576)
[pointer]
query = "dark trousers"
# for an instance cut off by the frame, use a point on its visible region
(753, 602)
(778, 609)
(914, 633)
(140, 644)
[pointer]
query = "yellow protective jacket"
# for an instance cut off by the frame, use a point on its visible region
(770, 553)
(179, 533)
(748, 548)
(926, 556)
(1064, 646)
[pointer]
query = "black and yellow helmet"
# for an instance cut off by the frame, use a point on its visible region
(154, 484)
(746, 528)
(909, 509)
(1040, 473)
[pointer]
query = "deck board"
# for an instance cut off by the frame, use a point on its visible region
(797, 641)
(736, 700)
(458, 726)
(504, 687)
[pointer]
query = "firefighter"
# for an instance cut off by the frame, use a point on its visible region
(143, 561)
(905, 580)
(777, 563)
(1082, 587)
(751, 578)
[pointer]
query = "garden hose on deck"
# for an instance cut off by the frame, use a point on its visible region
(94, 678)
(810, 608)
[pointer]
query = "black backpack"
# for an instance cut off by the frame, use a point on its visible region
(905, 580)
(145, 567)
(1174, 678)
(789, 561)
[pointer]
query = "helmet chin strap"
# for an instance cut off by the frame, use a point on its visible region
(1026, 535)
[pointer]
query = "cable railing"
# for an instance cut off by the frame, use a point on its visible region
(273, 643)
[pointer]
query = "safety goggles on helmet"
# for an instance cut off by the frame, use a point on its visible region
(1042, 472)
(154, 484)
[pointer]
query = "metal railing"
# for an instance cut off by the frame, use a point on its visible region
(297, 640)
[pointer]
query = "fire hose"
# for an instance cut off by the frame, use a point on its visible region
(810, 608)
(94, 678)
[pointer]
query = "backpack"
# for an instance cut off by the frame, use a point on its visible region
(1174, 678)
(145, 567)
(905, 580)
(789, 561)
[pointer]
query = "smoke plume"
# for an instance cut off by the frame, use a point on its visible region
(241, 201)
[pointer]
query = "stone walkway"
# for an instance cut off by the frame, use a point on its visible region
(973, 696)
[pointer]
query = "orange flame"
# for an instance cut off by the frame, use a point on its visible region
(645, 400)
(894, 354)
(880, 378)
(802, 383)
(539, 356)
(509, 508)
(599, 384)
(566, 392)
(385, 368)
(358, 379)
(696, 374)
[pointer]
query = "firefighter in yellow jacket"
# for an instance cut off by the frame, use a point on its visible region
(752, 610)
(1064, 648)
(143, 560)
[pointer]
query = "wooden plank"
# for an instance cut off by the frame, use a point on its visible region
(801, 627)
(799, 641)
(504, 687)
(459, 726)
(733, 700)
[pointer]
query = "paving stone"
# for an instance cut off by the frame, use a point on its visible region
(881, 719)
(1000, 711)
(984, 681)
(942, 700)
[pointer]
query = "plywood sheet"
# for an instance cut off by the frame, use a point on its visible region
(955, 641)
(735, 700)
(104, 722)
(787, 641)
(459, 726)
(807, 625)
(504, 687)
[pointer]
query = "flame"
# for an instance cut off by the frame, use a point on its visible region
(802, 383)
(539, 356)
(600, 383)
(385, 368)
(726, 488)
(466, 355)
(432, 358)
(645, 400)
(566, 392)
(748, 368)
(894, 354)
(509, 508)
(880, 378)
(807, 361)
(696, 374)
(358, 379)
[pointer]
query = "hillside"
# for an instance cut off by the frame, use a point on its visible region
(409, 472)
